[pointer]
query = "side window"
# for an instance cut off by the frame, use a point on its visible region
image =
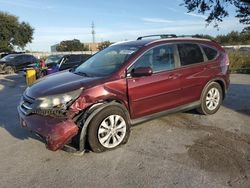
(210, 52)
(145, 60)
(28, 58)
(19, 59)
(73, 58)
(159, 58)
(190, 54)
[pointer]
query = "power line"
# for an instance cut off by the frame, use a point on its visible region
(93, 33)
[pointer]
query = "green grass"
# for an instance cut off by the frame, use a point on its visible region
(239, 62)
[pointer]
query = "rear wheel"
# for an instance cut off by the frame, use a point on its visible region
(211, 99)
(108, 129)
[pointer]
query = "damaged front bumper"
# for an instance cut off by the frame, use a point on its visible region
(54, 130)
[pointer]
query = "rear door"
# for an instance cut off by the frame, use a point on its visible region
(25, 60)
(161, 90)
(18, 62)
(194, 71)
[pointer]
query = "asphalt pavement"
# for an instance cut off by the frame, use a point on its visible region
(178, 150)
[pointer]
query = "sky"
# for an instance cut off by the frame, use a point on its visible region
(115, 20)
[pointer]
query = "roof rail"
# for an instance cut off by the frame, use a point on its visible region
(186, 36)
(160, 35)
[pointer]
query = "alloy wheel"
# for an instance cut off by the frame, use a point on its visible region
(212, 98)
(112, 131)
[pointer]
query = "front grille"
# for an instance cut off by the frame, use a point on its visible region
(26, 104)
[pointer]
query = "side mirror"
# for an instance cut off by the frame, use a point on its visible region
(141, 71)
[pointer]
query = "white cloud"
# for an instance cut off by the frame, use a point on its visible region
(156, 20)
(196, 15)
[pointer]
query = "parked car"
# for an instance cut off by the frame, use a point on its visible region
(125, 84)
(245, 50)
(3, 54)
(60, 62)
(66, 61)
(230, 49)
(17, 62)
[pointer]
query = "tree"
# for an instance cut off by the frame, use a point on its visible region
(104, 45)
(232, 38)
(13, 33)
(71, 45)
(217, 10)
(204, 36)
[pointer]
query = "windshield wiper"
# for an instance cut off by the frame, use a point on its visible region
(82, 74)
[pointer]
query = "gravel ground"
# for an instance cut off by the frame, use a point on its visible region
(178, 150)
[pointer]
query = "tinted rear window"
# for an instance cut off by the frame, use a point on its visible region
(210, 52)
(190, 54)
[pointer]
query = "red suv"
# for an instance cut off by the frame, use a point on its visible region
(127, 83)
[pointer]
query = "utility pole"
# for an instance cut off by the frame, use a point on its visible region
(93, 35)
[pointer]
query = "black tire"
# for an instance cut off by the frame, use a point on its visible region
(94, 125)
(9, 70)
(2, 66)
(203, 109)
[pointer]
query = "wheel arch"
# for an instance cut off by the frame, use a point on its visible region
(91, 112)
(218, 80)
(223, 86)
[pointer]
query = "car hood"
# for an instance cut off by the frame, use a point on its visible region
(61, 82)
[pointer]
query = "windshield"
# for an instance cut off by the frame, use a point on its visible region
(8, 58)
(53, 59)
(106, 61)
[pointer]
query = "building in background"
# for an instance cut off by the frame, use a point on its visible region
(53, 48)
(92, 46)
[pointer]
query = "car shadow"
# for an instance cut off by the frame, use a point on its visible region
(238, 98)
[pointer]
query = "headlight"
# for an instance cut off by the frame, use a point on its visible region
(58, 101)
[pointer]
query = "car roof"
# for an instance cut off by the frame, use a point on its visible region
(134, 42)
(145, 42)
(21, 54)
(13, 55)
(57, 55)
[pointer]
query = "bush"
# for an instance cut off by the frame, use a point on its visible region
(239, 62)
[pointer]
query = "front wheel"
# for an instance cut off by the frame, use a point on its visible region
(211, 99)
(108, 129)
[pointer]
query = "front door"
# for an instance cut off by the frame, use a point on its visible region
(161, 90)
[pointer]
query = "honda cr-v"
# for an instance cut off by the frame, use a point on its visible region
(129, 82)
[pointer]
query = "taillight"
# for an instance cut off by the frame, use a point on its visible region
(225, 60)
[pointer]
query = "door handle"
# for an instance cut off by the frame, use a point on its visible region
(170, 77)
(173, 76)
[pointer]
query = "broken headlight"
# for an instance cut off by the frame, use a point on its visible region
(58, 101)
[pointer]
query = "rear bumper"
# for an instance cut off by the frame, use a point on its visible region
(55, 131)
